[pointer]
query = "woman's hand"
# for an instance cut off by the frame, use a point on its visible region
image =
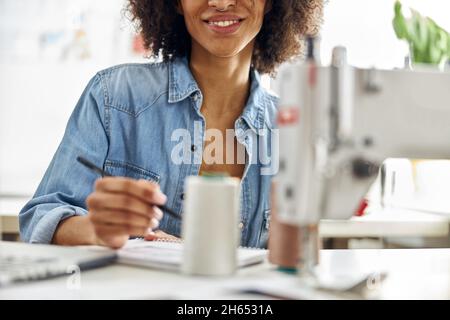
(160, 235)
(122, 207)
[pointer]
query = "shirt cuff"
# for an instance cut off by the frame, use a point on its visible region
(44, 230)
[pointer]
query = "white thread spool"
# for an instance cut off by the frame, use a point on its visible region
(210, 225)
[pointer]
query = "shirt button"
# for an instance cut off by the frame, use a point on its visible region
(289, 192)
(193, 148)
(241, 225)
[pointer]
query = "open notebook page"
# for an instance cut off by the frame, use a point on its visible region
(168, 255)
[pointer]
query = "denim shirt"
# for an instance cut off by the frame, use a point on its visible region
(124, 122)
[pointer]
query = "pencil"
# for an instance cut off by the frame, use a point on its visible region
(103, 173)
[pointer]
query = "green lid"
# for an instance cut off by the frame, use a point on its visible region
(215, 175)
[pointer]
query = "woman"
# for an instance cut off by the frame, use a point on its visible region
(152, 124)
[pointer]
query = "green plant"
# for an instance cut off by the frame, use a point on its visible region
(429, 43)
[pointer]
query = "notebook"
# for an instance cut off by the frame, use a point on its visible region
(167, 255)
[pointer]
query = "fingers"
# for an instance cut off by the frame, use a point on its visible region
(102, 200)
(127, 218)
(122, 207)
(158, 214)
(105, 230)
(160, 235)
(141, 189)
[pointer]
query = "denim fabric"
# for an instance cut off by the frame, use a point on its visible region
(124, 122)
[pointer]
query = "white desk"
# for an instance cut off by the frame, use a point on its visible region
(9, 214)
(388, 223)
(412, 274)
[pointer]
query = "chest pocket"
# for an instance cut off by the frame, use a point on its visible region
(123, 169)
(264, 232)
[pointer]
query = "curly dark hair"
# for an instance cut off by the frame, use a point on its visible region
(280, 39)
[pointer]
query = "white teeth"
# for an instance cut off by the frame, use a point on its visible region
(224, 23)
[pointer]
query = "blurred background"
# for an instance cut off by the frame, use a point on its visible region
(49, 49)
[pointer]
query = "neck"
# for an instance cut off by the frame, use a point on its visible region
(224, 82)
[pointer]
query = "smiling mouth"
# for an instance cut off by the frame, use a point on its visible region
(225, 23)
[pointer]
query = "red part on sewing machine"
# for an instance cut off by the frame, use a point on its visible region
(361, 208)
(288, 116)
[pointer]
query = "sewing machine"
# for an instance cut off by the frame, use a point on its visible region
(337, 126)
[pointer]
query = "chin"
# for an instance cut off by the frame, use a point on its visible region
(225, 52)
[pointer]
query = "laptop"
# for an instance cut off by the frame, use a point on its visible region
(22, 262)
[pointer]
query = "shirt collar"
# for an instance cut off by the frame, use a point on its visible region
(260, 105)
(181, 81)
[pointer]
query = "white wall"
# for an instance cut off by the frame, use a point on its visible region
(36, 101)
(41, 80)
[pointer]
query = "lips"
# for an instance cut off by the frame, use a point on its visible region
(223, 17)
(224, 24)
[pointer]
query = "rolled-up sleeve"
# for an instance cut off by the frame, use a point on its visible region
(66, 183)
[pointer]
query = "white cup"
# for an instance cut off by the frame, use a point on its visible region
(210, 225)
